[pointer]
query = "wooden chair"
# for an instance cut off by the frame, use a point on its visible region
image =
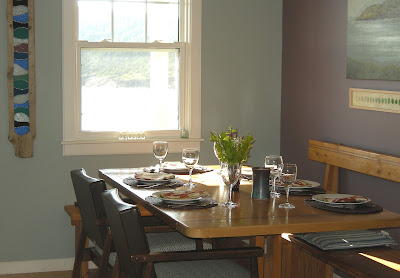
(137, 260)
(95, 228)
(94, 224)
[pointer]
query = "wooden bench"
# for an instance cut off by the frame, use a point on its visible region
(309, 261)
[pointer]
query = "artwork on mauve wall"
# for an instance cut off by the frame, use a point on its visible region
(21, 76)
(373, 39)
(377, 100)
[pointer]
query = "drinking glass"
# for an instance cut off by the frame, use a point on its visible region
(275, 164)
(288, 177)
(190, 157)
(230, 174)
(216, 155)
(160, 151)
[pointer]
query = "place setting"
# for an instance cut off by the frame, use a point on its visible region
(160, 151)
(147, 180)
(301, 188)
(182, 199)
(345, 203)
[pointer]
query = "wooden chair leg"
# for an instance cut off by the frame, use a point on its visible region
(105, 255)
(147, 270)
(199, 244)
(253, 267)
(80, 247)
(116, 270)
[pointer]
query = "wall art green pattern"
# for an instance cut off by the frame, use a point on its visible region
(385, 101)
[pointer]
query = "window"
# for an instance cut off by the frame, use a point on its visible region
(130, 66)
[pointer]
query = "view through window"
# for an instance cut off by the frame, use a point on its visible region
(130, 65)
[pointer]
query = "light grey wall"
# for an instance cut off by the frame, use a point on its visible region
(240, 87)
(242, 70)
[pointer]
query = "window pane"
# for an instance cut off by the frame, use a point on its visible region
(94, 20)
(129, 89)
(129, 22)
(164, 1)
(163, 22)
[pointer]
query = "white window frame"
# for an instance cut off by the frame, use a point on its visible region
(76, 142)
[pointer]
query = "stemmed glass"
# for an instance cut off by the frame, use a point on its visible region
(230, 174)
(190, 157)
(160, 151)
(288, 177)
(275, 164)
(216, 155)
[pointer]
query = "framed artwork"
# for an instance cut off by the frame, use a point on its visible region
(373, 39)
(385, 101)
(21, 76)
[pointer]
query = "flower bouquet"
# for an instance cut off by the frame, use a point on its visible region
(231, 148)
(232, 151)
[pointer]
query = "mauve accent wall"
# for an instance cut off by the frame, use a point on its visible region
(315, 99)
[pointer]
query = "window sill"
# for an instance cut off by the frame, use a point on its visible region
(109, 147)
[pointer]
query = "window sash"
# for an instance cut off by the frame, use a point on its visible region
(183, 93)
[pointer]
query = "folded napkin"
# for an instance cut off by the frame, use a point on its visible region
(347, 239)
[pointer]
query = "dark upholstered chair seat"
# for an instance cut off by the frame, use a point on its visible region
(173, 241)
(201, 269)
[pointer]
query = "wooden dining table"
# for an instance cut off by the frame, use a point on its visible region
(262, 221)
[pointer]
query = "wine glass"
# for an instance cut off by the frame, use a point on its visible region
(275, 164)
(288, 177)
(190, 157)
(230, 174)
(160, 151)
(216, 155)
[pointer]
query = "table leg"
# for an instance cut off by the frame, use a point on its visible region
(272, 258)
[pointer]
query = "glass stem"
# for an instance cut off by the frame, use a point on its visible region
(230, 194)
(273, 184)
(159, 167)
(287, 188)
(190, 175)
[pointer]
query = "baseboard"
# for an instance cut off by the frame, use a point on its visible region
(37, 266)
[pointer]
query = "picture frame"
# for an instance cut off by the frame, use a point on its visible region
(375, 100)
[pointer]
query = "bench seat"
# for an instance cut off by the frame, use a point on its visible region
(309, 261)
(351, 262)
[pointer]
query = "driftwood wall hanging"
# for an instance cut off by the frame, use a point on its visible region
(21, 76)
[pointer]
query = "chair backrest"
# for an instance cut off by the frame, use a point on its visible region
(128, 232)
(88, 195)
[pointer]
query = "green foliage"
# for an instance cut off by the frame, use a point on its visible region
(364, 70)
(125, 68)
(231, 149)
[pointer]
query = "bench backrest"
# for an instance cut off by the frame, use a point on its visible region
(337, 156)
